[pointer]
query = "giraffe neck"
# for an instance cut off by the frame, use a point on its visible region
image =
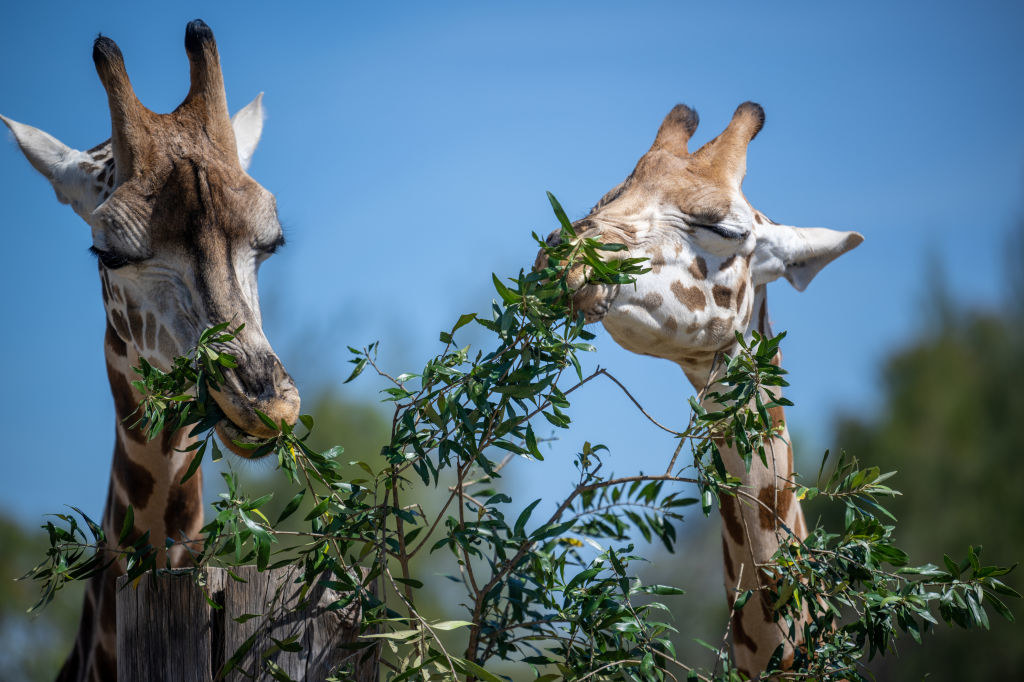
(752, 532)
(146, 475)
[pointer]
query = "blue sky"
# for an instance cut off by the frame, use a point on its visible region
(410, 146)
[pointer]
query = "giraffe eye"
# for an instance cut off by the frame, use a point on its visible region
(266, 250)
(109, 260)
(722, 231)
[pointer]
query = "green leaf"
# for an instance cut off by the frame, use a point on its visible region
(647, 664)
(664, 590)
(246, 617)
(523, 518)
(463, 321)
(397, 634)
(262, 555)
(470, 668)
(451, 624)
(288, 644)
(267, 421)
(506, 294)
(193, 466)
(360, 365)
(293, 504)
(318, 509)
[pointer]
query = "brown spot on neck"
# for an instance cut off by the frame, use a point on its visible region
(120, 324)
(739, 633)
(692, 297)
(730, 572)
(722, 295)
(731, 518)
(114, 342)
(104, 289)
(769, 586)
(719, 332)
(762, 316)
(125, 402)
(136, 480)
(118, 512)
(653, 301)
(727, 263)
(699, 268)
(774, 506)
(184, 513)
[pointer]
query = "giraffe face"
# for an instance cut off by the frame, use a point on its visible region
(179, 228)
(192, 262)
(711, 253)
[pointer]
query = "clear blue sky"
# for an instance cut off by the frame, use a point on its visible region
(410, 145)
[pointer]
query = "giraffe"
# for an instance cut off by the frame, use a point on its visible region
(179, 230)
(711, 256)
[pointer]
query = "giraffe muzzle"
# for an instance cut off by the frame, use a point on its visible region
(260, 386)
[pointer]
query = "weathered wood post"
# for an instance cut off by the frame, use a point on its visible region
(166, 630)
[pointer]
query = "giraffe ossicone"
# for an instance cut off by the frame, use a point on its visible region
(179, 229)
(711, 256)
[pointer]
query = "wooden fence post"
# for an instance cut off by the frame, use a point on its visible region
(166, 630)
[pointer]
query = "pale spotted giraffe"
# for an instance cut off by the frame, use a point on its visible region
(179, 229)
(711, 256)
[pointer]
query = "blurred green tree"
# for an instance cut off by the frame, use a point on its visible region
(952, 423)
(31, 647)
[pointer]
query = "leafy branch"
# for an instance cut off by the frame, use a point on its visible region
(560, 595)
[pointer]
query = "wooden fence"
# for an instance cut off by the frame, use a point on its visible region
(166, 630)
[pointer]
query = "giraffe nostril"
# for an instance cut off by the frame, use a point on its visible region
(265, 380)
(280, 381)
(259, 384)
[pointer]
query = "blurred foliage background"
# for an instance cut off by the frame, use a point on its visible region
(950, 419)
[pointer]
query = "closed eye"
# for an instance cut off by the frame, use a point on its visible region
(271, 248)
(111, 260)
(721, 231)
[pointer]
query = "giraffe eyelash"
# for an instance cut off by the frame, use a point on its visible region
(109, 260)
(721, 231)
(272, 247)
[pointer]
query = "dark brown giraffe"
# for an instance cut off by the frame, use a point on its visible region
(179, 230)
(711, 256)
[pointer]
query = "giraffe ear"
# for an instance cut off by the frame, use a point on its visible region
(248, 125)
(71, 172)
(797, 253)
(46, 153)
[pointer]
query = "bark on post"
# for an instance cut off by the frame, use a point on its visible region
(166, 630)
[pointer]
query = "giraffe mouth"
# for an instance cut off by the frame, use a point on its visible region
(234, 438)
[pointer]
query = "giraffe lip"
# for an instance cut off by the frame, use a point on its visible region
(231, 435)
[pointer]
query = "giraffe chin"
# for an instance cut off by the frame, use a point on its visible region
(230, 434)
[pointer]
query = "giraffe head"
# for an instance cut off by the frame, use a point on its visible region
(178, 226)
(711, 253)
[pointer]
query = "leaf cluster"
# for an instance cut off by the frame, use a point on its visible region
(558, 591)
